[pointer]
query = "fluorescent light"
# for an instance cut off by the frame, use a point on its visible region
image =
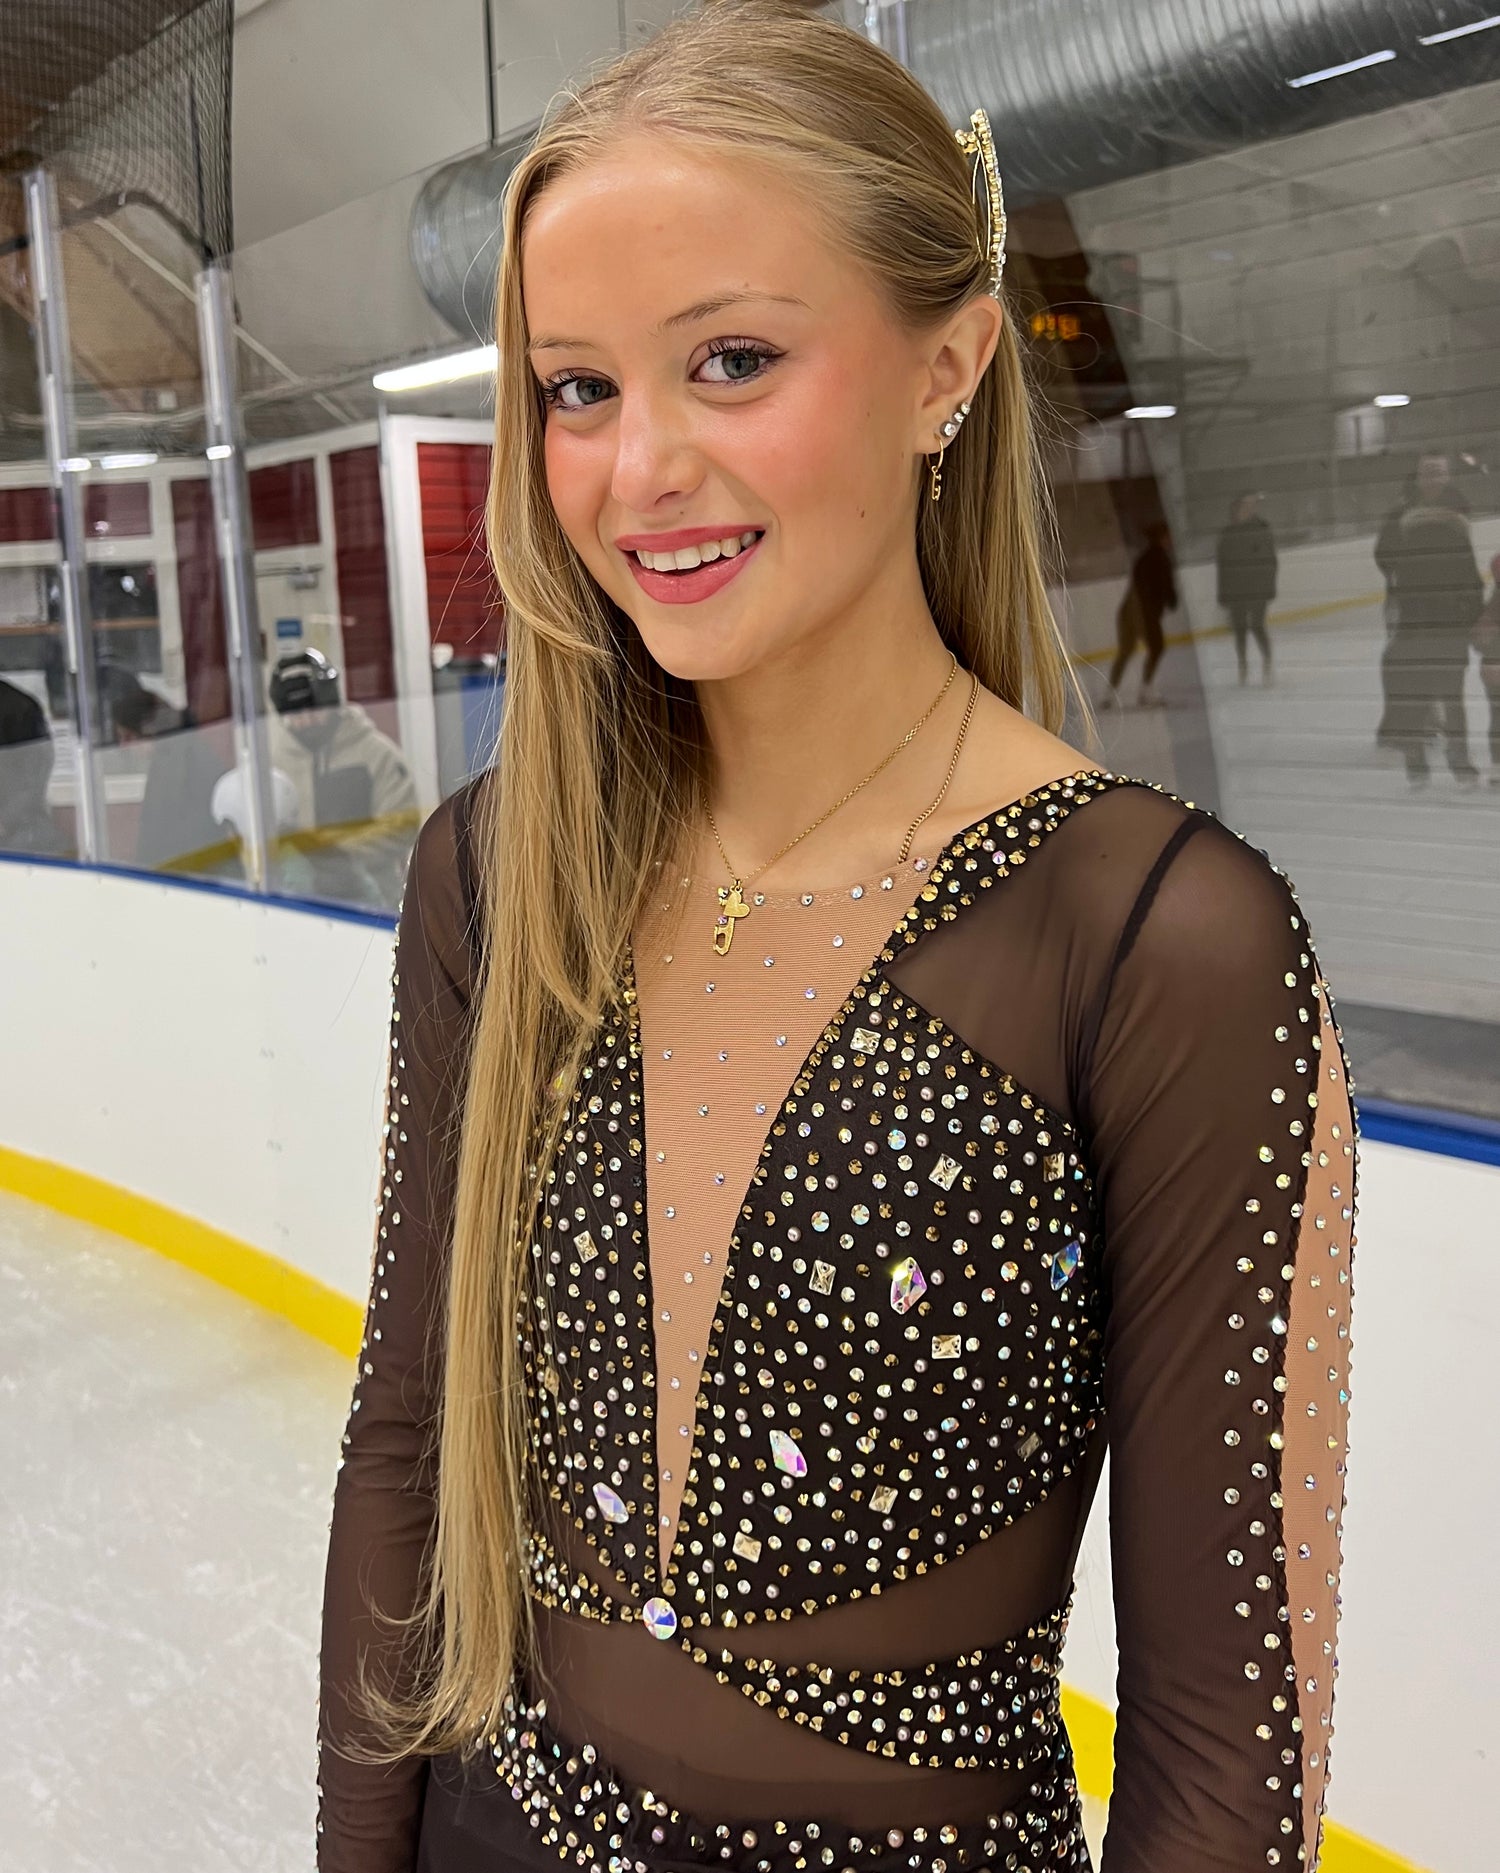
(1152, 410)
(219, 451)
(445, 370)
(75, 464)
(130, 458)
(1460, 32)
(1339, 71)
(1395, 401)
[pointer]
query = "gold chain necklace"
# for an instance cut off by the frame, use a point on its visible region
(732, 904)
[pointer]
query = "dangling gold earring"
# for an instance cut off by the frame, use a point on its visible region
(935, 469)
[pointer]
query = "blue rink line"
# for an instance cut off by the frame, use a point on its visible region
(1381, 1121)
(1428, 1128)
(215, 887)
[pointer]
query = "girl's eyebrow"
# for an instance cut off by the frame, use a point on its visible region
(705, 308)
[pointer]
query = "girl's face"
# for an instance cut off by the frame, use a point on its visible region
(719, 376)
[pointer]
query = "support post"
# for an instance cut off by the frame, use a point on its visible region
(235, 541)
(64, 465)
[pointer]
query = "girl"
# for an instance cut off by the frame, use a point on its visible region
(825, 1108)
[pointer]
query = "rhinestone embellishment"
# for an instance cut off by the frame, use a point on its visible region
(610, 1505)
(865, 1040)
(908, 1285)
(883, 1500)
(586, 1246)
(944, 1172)
(1053, 1166)
(947, 1345)
(786, 1456)
(822, 1278)
(1063, 1264)
(746, 1547)
(659, 1618)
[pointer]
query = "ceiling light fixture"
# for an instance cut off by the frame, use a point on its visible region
(129, 458)
(445, 370)
(1340, 71)
(1152, 410)
(1460, 32)
(1396, 400)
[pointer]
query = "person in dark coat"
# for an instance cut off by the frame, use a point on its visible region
(1436, 595)
(177, 826)
(1247, 568)
(1487, 643)
(1151, 592)
(26, 754)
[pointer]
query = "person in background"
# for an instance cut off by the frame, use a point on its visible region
(177, 822)
(344, 770)
(1431, 486)
(1151, 592)
(1427, 556)
(26, 823)
(1487, 643)
(1247, 569)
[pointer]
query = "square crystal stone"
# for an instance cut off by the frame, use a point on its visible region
(586, 1246)
(550, 1380)
(1053, 1166)
(822, 1278)
(883, 1500)
(865, 1040)
(1030, 1447)
(746, 1547)
(944, 1172)
(947, 1345)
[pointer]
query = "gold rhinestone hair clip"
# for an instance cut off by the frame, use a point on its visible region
(978, 142)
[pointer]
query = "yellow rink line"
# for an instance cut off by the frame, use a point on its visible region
(1296, 614)
(338, 1321)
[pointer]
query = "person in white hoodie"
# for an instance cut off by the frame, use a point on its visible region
(345, 771)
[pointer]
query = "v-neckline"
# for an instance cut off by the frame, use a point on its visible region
(663, 1578)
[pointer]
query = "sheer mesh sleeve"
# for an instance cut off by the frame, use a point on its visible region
(1218, 1108)
(384, 1497)
(1149, 976)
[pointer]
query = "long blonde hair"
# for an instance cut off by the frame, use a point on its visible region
(603, 751)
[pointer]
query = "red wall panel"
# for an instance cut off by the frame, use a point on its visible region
(284, 505)
(464, 607)
(117, 510)
(205, 655)
(25, 514)
(364, 589)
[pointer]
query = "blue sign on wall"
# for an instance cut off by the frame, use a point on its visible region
(289, 627)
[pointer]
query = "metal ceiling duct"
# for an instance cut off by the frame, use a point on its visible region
(1082, 92)
(455, 234)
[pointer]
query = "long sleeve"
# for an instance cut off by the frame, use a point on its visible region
(1218, 1104)
(384, 1499)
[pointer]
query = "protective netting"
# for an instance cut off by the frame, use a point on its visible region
(124, 99)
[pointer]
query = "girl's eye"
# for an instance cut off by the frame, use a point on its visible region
(553, 388)
(736, 353)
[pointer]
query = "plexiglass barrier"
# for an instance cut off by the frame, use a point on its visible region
(1270, 367)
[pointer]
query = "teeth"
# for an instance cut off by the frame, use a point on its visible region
(686, 557)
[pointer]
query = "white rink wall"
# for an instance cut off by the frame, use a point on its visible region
(225, 1057)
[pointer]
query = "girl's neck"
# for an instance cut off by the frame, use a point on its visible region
(789, 739)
